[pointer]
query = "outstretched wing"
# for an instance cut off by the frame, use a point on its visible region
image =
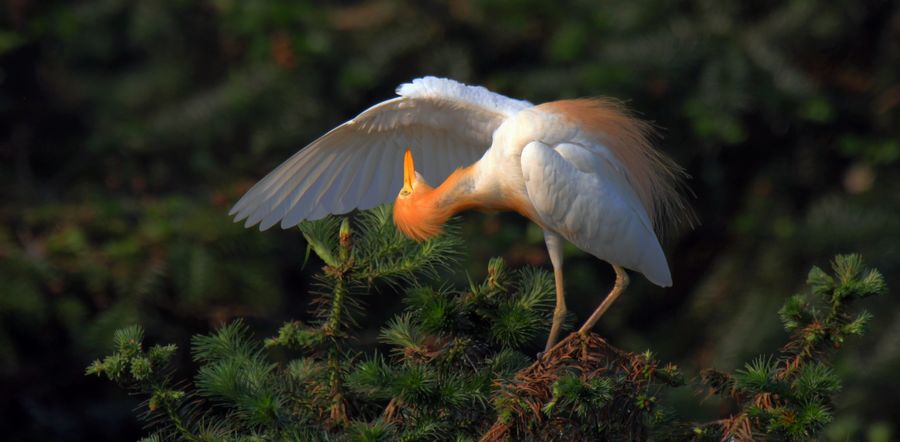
(583, 194)
(358, 165)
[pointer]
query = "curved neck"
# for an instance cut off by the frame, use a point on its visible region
(457, 193)
(422, 215)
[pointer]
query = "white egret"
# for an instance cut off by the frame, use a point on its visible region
(583, 170)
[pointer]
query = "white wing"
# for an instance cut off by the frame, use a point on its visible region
(359, 164)
(583, 194)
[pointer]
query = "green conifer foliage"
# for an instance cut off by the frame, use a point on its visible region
(455, 365)
(788, 396)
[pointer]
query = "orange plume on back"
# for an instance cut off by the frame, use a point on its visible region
(657, 180)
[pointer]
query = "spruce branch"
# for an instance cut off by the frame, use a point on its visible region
(147, 373)
(457, 366)
(789, 396)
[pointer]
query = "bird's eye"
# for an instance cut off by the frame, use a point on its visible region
(404, 192)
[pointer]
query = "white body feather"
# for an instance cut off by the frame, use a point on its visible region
(578, 188)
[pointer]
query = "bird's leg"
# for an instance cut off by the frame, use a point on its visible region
(559, 314)
(618, 288)
(555, 248)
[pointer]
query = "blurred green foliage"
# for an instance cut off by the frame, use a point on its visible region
(130, 127)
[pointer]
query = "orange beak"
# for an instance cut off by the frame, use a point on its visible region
(409, 171)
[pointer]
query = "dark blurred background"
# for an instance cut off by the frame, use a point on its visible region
(128, 128)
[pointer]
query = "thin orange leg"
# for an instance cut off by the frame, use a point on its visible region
(555, 250)
(559, 314)
(618, 288)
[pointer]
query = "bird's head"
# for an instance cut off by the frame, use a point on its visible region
(415, 211)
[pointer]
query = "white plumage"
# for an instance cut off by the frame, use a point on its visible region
(581, 169)
(357, 165)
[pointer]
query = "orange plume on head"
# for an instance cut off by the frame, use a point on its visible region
(418, 218)
(416, 213)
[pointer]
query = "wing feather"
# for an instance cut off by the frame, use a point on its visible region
(346, 195)
(363, 180)
(290, 188)
(358, 165)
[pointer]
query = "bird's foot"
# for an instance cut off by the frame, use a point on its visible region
(552, 349)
